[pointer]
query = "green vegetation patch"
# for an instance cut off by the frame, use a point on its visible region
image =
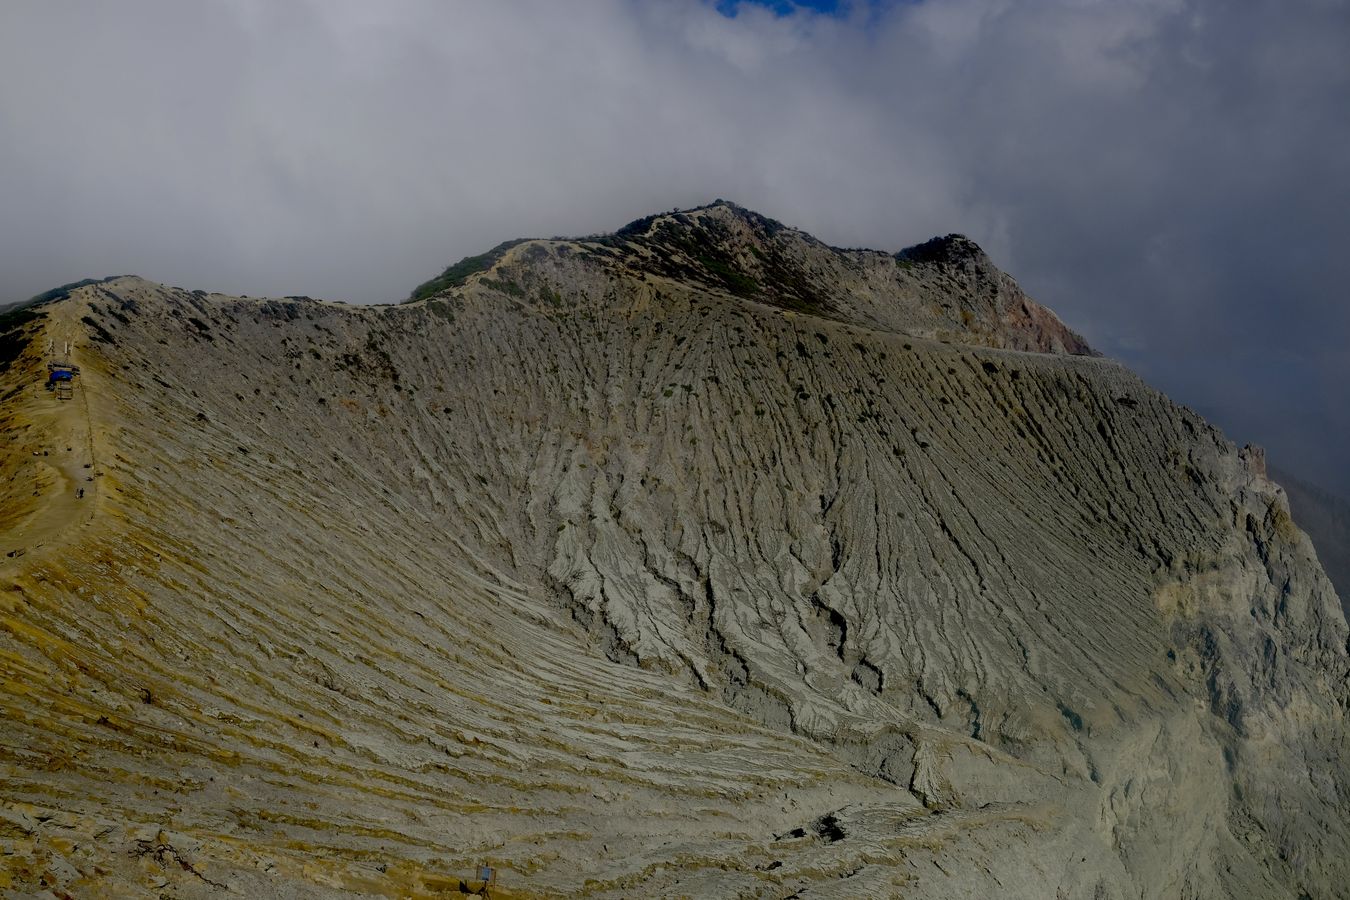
(506, 286)
(15, 333)
(705, 244)
(62, 292)
(950, 249)
(14, 321)
(456, 275)
(736, 281)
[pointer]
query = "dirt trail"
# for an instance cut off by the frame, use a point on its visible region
(61, 445)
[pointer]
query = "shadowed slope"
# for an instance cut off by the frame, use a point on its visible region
(1326, 518)
(630, 583)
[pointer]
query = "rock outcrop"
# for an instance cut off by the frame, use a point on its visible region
(1326, 519)
(698, 560)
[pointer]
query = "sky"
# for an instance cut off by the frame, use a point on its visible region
(1171, 176)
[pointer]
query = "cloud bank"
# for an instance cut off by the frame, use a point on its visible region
(1170, 175)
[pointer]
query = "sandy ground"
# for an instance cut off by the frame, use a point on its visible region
(62, 447)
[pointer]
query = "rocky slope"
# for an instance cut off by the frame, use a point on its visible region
(1326, 518)
(696, 560)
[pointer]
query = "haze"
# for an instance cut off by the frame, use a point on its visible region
(1169, 176)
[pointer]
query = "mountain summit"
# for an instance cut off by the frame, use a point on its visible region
(700, 559)
(946, 288)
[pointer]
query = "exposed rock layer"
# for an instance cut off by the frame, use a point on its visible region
(1326, 519)
(701, 559)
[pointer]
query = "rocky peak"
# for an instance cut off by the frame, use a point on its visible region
(945, 289)
(953, 249)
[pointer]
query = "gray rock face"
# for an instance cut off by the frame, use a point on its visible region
(701, 559)
(1326, 519)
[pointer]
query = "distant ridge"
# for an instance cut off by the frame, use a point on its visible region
(946, 288)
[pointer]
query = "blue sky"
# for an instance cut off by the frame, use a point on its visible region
(784, 7)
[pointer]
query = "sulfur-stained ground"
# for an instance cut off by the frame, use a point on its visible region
(632, 580)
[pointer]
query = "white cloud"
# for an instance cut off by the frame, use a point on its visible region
(1131, 161)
